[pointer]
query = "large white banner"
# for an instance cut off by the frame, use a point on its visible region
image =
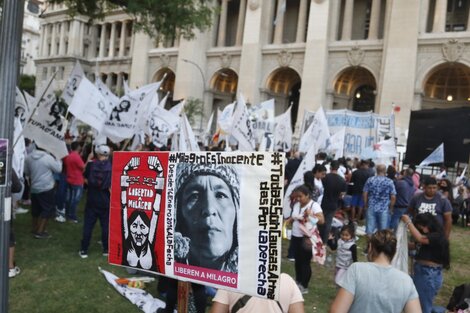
(242, 129)
(209, 217)
(73, 83)
(162, 125)
(362, 129)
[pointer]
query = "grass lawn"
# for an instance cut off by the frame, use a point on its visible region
(55, 279)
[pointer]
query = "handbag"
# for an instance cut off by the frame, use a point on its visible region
(307, 243)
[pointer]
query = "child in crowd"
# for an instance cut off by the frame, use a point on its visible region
(346, 250)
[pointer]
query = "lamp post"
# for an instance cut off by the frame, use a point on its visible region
(203, 91)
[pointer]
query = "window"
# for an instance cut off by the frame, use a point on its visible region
(457, 15)
(33, 7)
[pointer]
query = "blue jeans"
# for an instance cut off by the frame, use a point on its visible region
(91, 216)
(396, 216)
(74, 194)
(60, 197)
(428, 281)
(376, 220)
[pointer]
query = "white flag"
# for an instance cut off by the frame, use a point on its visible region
(73, 83)
(187, 141)
(317, 133)
(127, 89)
(90, 106)
(162, 125)
(47, 125)
(386, 149)
(21, 107)
(437, 156)
(225, 118)
(164, 100)
(242, 129)
(30, 100)
(283, 131)
(208, 133)
(73, 130)
(267, 143)
(107, 94)
(262, 118)
(177, 109)
(336, 143)
(123, 120)
(19, 150)
(306, 165)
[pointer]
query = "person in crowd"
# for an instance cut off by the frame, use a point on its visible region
(405, 191)
(304, 206)
(379, 199)
(442, 172)
(292, 166)
(430, 201)
(391, 173)
(13, 270)
(74, 167)
(461, 205)
(335, 188)
(98, 179)
(376, 286)
(319, 172)
(346, 250)
(290, 300)
(416, 177)
(40, 167)
(432, 256)
(309, 181)
(207, 205)
(171, 289)
(358, 179)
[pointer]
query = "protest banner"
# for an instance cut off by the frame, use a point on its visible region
(362, 129)
(181, 214)
(262, 119)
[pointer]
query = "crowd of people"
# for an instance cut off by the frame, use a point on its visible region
(337, 196)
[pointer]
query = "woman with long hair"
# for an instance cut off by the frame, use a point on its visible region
(305, 209)
(432, 256)
(376, 286)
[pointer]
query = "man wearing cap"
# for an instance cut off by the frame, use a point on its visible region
(208, 198)
(98, 179)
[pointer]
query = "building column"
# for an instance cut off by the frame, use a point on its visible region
(93, 39)
(374, 20)
(302, 21)
(334, 20)
(119, 85)
(45, 28)
(423, 22)
(81, 39)
(314, 83)
(440, 13)
(122, 40)
(53, 39)
(241, 23)
(62, 39)
(140, 61)
(102, 40)
(74, 37)
(279, 26)
(222, 24)
(112, 40)
(347, 20)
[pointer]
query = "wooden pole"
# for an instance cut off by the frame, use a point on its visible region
(183, 296)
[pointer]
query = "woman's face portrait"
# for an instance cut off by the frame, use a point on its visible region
(139, 231)
(209, 214)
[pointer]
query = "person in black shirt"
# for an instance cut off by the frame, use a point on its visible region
(358, 180)
(432, 256)
(334, 189)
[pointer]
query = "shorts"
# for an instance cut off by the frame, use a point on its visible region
(43, 204)
(347, 201)
(357, 201)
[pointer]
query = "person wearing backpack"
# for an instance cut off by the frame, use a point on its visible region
(98, 179)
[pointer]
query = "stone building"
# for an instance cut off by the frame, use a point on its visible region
(357, 54)
(30, 37)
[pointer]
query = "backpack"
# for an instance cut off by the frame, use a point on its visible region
(99, 175)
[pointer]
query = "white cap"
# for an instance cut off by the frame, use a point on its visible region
(102, 150)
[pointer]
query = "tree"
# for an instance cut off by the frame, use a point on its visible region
(27, 83)
(193, 108)
(158, 18)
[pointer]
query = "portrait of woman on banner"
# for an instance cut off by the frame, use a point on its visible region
(207, 207)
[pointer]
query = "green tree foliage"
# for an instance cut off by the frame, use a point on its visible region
(27, 83)
(193, 108)
(158, 18)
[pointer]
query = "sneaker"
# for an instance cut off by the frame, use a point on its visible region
(26, 202)
(73, 220)
(60, 219)
(291, 259)
(83, 254)
(13, 272)
(43, 235)
(20, 210)
(105, 253)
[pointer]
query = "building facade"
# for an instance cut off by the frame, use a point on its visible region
(30, 37)
(363, 55)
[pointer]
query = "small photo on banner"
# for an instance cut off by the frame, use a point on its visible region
(181, 214)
